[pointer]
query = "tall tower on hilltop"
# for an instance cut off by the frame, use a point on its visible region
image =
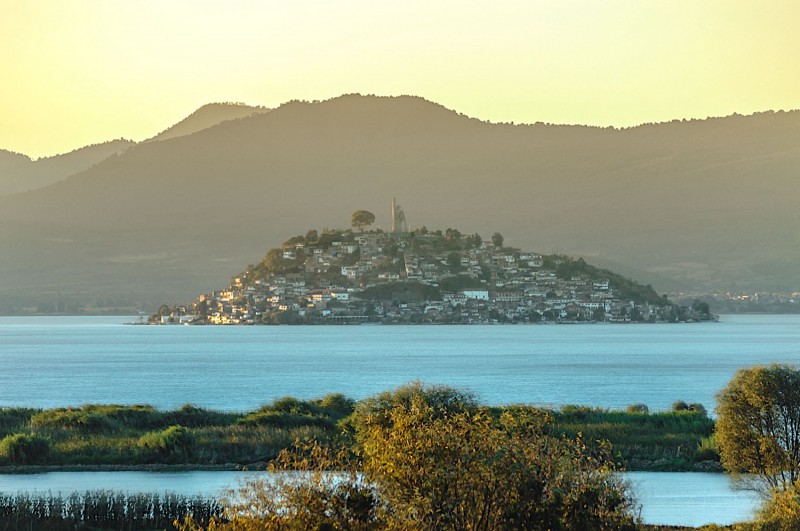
(398, 218)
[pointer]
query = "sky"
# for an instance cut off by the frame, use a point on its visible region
(79, 72)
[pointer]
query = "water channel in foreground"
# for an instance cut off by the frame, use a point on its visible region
(682, 498)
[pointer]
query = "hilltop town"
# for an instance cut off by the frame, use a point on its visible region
(422, 276)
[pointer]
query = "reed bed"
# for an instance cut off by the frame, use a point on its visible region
(103, 510)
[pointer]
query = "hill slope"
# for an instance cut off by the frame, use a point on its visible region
(703, 204)
(19, 173)
(208, 116)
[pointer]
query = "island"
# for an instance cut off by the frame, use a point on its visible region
(422, 276)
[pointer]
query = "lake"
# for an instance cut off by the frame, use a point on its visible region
(59, 361)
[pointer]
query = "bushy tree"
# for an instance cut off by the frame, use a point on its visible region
(429, 457)
(497, 239)
(361, 219)
(758, 426)
(442, 462)
(274, 262)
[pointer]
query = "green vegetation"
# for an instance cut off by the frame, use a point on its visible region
(419, 457)
(671, 440)
(24, 449)
(459, 282)
(130, 436)
(432, 458)
(759, 425)
(174, 444)
(497, 239)
(361, 219)
(405, 291)
(567, 267)
(106, 435)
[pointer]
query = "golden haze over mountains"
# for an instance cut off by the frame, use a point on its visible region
(698, 204)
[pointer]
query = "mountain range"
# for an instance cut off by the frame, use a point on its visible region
(696, 205)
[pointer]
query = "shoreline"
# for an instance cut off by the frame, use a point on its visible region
(707, 467)
(154, 468)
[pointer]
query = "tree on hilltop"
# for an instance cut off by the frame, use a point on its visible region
(361, 219)
(497, 239)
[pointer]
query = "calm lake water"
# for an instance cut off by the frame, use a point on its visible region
(59, 361)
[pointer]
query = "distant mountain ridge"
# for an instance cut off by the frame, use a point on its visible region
(19, 173)
(10, 158)
(208, 116)
(704, 204)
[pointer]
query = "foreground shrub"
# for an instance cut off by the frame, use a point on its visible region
(431, 458)
(24, 449)
(311, 487)
(442, 463)
(759, 422)
(779, 512)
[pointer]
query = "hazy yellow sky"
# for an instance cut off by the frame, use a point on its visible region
(76, 72)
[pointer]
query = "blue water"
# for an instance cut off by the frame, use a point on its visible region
(689, 499)
(59, 361)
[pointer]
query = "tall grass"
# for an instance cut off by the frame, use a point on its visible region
(671, 440)
(103, 510)
(99, 435)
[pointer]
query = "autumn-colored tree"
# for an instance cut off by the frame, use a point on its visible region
(311, 487)
(444, 463)
(429, 457)
(758, 426)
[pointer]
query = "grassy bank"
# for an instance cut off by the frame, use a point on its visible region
(113, 437)
(125, 436)
(666, 441)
